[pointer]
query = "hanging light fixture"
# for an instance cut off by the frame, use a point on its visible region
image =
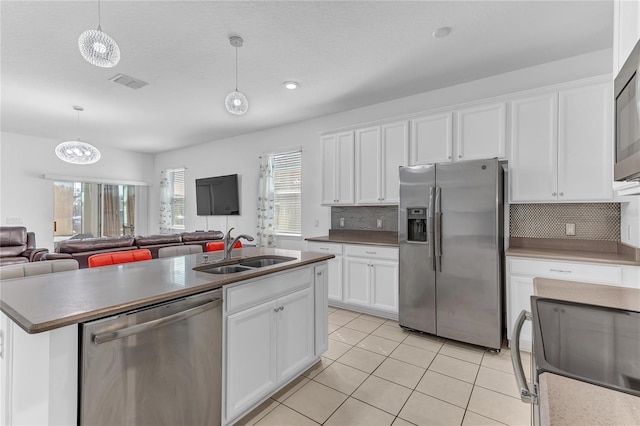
(98, 48)
(236, 102)
(77, 152)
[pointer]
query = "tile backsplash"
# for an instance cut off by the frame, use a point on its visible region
(365, 218)
(593, 221)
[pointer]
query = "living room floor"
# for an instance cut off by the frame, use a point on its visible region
(376, 373)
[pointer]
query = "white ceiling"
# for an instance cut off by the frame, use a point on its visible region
(345, 54)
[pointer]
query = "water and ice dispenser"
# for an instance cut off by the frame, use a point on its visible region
(417, 224)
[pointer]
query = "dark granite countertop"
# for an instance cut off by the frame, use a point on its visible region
(46, 302)
(348, 236)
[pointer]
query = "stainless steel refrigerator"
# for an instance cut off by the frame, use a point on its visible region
(451, 250)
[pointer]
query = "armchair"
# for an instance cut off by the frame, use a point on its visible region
(18, 246)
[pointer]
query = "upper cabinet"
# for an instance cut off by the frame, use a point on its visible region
(380, 150)
(626, 30)
(561, 146)
(480, 133)
(338, 168)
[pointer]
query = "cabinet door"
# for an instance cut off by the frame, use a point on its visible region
(481, 132)
(534, 146)
(395, 153)
(368, 165)
(335, 278)
(329, 169)
(357, 281)
(432, 139)
(251, 356)
(384, 286)
(295, 332)
(585, 144)
(628, 16)
(321, 312)
(520, 289)
(345, 162)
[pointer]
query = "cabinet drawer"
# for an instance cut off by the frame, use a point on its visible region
(605, 274)
(333, 248)
(243, 295)
(372, 252)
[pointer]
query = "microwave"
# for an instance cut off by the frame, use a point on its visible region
(627, 121)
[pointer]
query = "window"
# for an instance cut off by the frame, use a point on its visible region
(287, 171)
(173, 201)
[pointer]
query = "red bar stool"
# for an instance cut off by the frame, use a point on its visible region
(219, 245)
(114, 258)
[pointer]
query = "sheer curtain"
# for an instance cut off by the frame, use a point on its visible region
(112, 223)
(166, 221)
(266, 231)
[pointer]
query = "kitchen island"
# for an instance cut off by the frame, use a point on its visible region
(41, 316)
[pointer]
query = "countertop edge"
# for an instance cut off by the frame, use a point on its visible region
(338, 240)
(591, 257)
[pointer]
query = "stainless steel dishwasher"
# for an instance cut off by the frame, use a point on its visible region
(160, 365)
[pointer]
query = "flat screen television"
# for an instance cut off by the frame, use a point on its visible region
(217, 196)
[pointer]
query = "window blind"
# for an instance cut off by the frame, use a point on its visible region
(287, 174)
(177, 199)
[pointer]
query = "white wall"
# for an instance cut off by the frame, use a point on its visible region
(25, 194)
(240, 154)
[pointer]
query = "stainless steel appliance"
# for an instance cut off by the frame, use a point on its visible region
(627, 136)
(155, 366)
(451, 249)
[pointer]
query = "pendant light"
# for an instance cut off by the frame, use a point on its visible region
(77, 152)
(98, 48)
(236, 102)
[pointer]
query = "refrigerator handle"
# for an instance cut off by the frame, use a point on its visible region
(438, 232)
(430, 234)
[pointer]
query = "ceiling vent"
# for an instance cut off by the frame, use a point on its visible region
(130, 82)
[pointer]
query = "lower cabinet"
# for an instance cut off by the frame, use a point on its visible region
(272, 335)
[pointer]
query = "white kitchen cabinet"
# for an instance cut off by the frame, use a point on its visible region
(338, 169)
(384, 285)
(561, 146)
(321, 282)
(334, 267)
(481, 132)
(522, 271)
(626, 26)
(357, 277)
(380, 151)
(432, 139)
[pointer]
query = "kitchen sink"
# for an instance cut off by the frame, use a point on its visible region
(265, 261)
(227, 269)
(594, 344)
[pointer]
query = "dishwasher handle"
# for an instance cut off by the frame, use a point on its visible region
(150, 325)
(516, 360)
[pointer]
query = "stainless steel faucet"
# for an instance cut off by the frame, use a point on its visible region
(229, 246)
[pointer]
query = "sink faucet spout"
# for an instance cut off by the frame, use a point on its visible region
(229, 244)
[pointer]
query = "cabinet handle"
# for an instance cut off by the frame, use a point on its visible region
(561, 194)
(282, 308)
(553, 193)
(459, 156)
(562, 271)
(279, 308)
(276, 309)
(319, 274)
(370, 252)
(324, 248)
(449, 157)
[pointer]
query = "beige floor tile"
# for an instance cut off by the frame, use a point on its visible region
(349, 313)
(331, 309)
(258, 413)
(425, 410)
(332, 328)
(424, 341)
(317, 367)
(413, 355)
(497, 406)
(502, 361)
(461, 351)
(473, 419)
(341, 377)
(357, 413)
(290, 389)
(282, 416)
(400, 372)
(316, 401)
(455, 368)
(446, 388)
(383, 394)
(336, 349)
(362, 325)
(347, 335)
(377, 344)
(401, 422)
(498, 381)
(339, 318)
(361, 359)
(373, 318)
(391, 332)
(392, 323)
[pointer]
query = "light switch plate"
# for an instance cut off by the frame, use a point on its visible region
(342, 222)
(570, 229)
(379, 224)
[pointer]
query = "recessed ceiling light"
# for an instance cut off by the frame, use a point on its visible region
(290, 85)
(441, 32)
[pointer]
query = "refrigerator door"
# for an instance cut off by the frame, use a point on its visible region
(417, 283)
(469, 279)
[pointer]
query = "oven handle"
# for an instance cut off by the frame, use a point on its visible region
(516, 360)
(150, 325)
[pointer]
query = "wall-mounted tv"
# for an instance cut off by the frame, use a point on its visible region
(217, 196)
